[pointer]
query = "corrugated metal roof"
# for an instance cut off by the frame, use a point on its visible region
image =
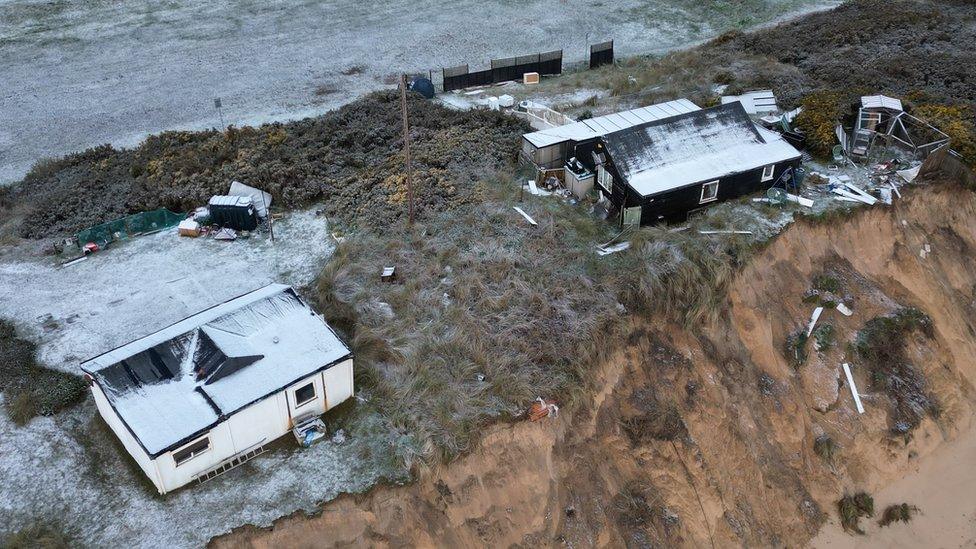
(602, 125)
(754, 102)
(881, 102)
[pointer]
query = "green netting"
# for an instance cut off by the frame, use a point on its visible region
(129, 226)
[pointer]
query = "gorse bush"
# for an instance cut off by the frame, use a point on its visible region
(30, 389)
(350, 158)
(822, 111)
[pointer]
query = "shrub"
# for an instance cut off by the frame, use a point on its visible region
(824, 334)
(957, 122)
(30, 389)
(826, 283)
(853, 508)
(795, 348)
(658, 422)
(39, 536)
(825, 447)
(897, 513)
(822, 111)
(881, 347)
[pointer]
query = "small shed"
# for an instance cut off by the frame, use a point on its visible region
(663, 170)
(235, 212)
(213, 390)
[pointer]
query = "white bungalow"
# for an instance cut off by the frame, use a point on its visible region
(211, 391)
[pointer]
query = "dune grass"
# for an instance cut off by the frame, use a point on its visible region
(489, 313)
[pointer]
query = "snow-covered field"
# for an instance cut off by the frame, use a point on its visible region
(139, 286)
(78, 73)
(69, 469)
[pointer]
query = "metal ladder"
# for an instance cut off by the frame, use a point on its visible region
(231, 463)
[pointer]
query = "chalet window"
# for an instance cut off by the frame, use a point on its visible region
(191, 451)
(605, 179)
(304, 394)
(709, 192)
(768, 172)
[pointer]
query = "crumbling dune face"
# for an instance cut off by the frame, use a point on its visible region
(706, 437)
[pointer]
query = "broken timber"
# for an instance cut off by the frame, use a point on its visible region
(525, 215)
(850, 381)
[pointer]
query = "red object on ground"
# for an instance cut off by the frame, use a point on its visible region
(91, 247)
(538, 410)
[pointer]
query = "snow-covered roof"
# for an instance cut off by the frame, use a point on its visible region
(602, 125)
(754, 102)
(173, 384)
(881, 102)
(693, 148)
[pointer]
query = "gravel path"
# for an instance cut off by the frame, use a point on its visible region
(78, 73)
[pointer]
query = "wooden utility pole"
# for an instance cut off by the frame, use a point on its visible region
(406, 146)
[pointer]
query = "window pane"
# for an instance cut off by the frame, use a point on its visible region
(304, 394)
(194, 449)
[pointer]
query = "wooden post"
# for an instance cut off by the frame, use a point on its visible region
(406, 146)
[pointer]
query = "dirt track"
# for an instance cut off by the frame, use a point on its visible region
(79, 73)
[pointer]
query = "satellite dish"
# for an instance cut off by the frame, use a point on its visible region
(776, 195)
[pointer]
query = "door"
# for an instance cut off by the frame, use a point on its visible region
(632, 216)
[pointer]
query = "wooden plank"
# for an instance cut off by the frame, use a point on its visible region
(850, 381)
(525, 215)
(813, 320)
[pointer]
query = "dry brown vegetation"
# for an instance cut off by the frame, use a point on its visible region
(489, 313)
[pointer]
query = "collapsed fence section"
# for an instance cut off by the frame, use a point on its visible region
(601, 54)
(503, 70)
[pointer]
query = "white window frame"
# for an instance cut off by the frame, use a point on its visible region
(768, 172)
(315, 395)
(194, 454)
(605, 179)
(714, 196)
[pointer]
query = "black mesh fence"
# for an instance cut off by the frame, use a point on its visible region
(601, 54)
(503, 70)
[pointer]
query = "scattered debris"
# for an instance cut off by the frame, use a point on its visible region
(850, 381)
(525, 215)
(542, 409)
(74, 261)
(607, 250)
(309, 430)
(813, 320)
(388, 274)
(188, 227)
(260, 199)
(754, 102)
(725, 232)
(226, 234)
(842, 309)
(805, 202)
